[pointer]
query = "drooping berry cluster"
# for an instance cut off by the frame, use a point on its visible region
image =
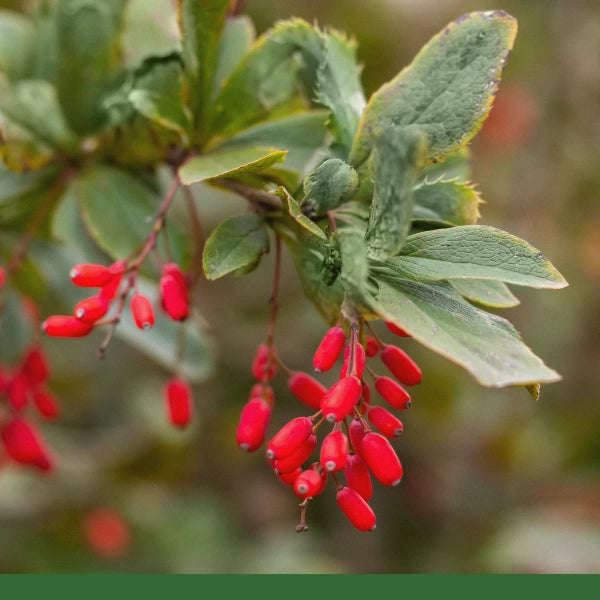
(358, 445)
(22, 387)
(114, 284)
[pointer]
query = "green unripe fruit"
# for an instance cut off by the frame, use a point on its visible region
(329, 185)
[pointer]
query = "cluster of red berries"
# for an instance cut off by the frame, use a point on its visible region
(358, 445)
(114, 283)
(22, 387)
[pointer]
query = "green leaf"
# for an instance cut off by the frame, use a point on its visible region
(22, 195)
(486, 345)
(339, 88)
(88, 58)
(32, 104)
(150, 30)
(397, 155)
(487, 292)
(162, 341)
(236, 39)
(232, 164)
(157, 93)
(354, 274)
(448, 89)
(16, 329)
(300, 218)
(201, 24)
(236, 243)
(16, 44)
(318, 269)
(117, 208)
(449, 202)
(302, 134)
(454, 167)
(475, 252)
(276, 77)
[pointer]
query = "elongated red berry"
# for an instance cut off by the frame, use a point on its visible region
(142, 311)
(174, 292)
(381, 458)
(289, 438)
(396, 330)
(2, 276)
(387, 423)
(356, 431)
(392, 392)
(334, 451)
(110, 289)
(306, 389)
(366, 392)
(402, 366)
(66, 326)
(341, 398)
(358, 476)
(90, 275)
(329, 350)
(371, 346)
(24, 445)
(356, 509)
(89, 310)
(252, 427)
(178, 396)
(264, 366)
(35, 366)
(297, 458)
(46, 403)
(359, 361)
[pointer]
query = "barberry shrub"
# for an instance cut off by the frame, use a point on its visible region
(104, 146)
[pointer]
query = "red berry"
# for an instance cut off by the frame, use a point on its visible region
(306, 389)
(356, 509)
(360, 361)
(290, 437)
(142, 311)
(356, 431)
(18, 391)
(106, 533)
(24, 445)
(35, 366)
(90, 275)
(174, 292)
(396, 330)
(387, 423)
(392, 392)
(341, 398)
(402, 367)
(372, 347)
(334, 450)
(358, 476)
(2, 276)
(311, 482)
(297, 458)
(89, 310)
(366, 392)
(178, 395)
(46, 403)
(289, 478)
(253, 424)
(109, 290)
(66, 326)
(381, 458)
(329, 349)
(264, 366)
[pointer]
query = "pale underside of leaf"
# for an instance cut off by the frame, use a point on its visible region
(485, 345)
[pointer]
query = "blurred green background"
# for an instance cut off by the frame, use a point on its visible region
(494, 482)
